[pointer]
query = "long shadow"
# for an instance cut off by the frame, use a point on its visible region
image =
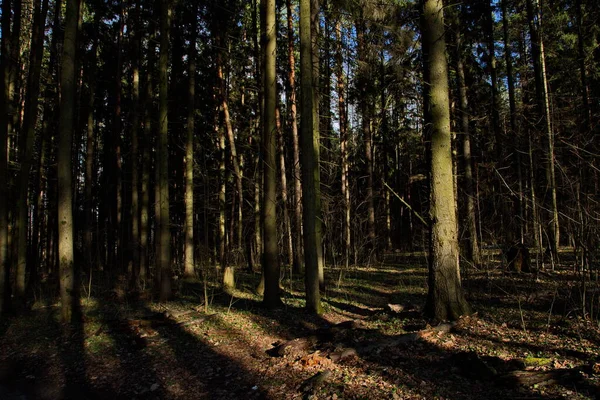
(211, 375)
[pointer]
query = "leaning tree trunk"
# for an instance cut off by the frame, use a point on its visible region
(445, 300)
(68, 277)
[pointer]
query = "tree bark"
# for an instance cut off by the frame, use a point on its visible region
(163, 219)
(135, 164)
(269, 204)
(190, 264)
(310, 164)
(295, 141)
(68, 276)
(343, 121)
(445, 300)
(471, 220)
(4, 116)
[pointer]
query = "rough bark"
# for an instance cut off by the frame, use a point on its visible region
(445, 300)
(189, 266)
(310, 165)
(4, 115)
(343, 121)
(163, 219)
(269, 203)
(471, 221)
(68, 277)
(295, 141)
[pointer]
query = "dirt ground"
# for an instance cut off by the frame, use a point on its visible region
(528, 340)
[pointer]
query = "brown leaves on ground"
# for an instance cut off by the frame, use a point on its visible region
(526, 341)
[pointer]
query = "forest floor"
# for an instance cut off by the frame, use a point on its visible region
(527, 340)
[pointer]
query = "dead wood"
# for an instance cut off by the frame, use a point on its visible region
(539, 378)
(310, 385)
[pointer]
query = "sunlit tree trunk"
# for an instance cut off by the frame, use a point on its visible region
(343, 120)
(367, 135)
(68, 276)
(315, 24)
(163, 220)
(189, 266)
(269, 204)
(445, 300)
(310, 164)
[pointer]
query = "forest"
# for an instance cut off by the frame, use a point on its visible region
(299, 199)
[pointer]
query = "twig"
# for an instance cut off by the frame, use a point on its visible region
(406, 204)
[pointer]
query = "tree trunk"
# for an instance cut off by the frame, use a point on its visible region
(26, 147)
(296, 143)
(146, 157)
(343, 121)
(445, 300)
(310, 164)
(269, 204)
(163, 220)
(545, 125)
(367, 135)
(4, 116)
(520, 206)
(284, 191)
(68, 276)
(190, 265)
(471, 221)
(135, 164)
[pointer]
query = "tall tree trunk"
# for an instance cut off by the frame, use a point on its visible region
(284, 191)
(149, 133)
(343, 121)
(190, 264)
(585, 101)
(314, 29)
(520, 206)
(68, 271)
(295, 141)
(135, 32)
(367, 135)
(310, 164)
(269, 204)
(471, 221)
(4, 116)
(543, 106)
(163, 219)
(26, 146)
(445, 300)
(228, 272)
(88, 236)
